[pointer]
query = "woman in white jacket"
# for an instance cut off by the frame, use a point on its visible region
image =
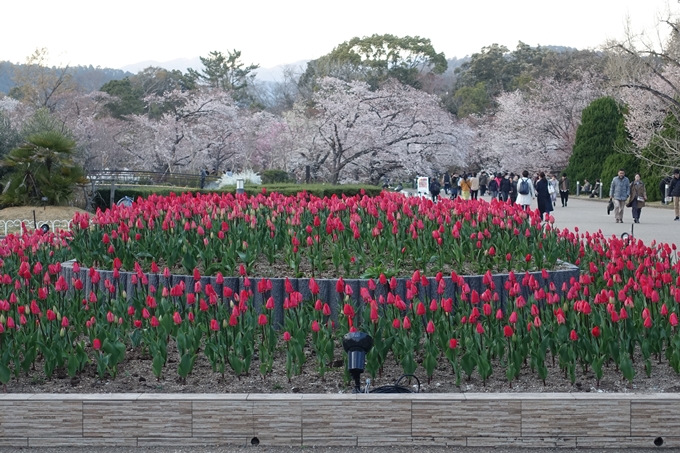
(525, 199)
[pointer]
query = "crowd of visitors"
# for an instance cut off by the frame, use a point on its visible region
(522, 190)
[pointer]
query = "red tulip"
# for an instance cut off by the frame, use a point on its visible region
(420, 309)
(664, 310)
(340, 286)
(595, 331)
(673, 319)
(430, 327)
(648, 322)
(573, 336)
(480, 328)
(214, 325)
(177, 318)
(486, 308)
(507, 331)
(96, 344)
(315, 326)
(313, 286)
(64, 322)
(453, 343)
(286, 336)
(396, 323)
(262, 320)
(154, 322)
(407, 323)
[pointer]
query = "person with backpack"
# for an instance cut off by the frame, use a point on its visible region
(435, 188)
(525, 191)
(447, 182)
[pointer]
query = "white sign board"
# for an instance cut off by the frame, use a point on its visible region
(423, 185)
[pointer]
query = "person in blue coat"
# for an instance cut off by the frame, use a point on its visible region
(543, 196)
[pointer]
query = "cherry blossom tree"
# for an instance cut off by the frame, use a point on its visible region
(361, 135)
(196, 130)
(645, 67)
(95, 132)
(535, 129)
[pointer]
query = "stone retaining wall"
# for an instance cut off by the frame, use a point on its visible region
(469, 419)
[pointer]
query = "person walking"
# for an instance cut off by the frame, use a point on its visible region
(455, 183)
(465, 186)
(619, 190)
(674, 191)
(483, 183)
(543, 196)
(564, 189)
(553, 188)
(505, 187)
(638, 196)
(447, 182)
(525, 191)
(435, 188)
(474, 186)
(202, 174)
(493, 188)
(513, 188)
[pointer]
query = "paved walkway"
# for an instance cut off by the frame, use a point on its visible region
(656, 222)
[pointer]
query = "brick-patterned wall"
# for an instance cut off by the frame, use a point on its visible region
(526, 420)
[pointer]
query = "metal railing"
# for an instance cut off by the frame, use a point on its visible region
(149, 178)
(14, 226)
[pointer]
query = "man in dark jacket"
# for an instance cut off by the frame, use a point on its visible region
(447, 182)
(675, 192)
(505, 187)
(435, 188)
(483, 182)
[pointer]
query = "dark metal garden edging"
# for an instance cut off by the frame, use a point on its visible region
(327, 287)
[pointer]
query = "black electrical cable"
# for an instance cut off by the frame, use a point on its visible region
(396, 388)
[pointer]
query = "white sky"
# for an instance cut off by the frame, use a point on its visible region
(117, 33)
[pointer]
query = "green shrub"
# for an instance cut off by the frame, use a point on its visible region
(274, 176)
(320, 190)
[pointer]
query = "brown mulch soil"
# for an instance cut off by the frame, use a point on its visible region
(135, 375)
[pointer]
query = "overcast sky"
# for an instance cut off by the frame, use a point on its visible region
(118, 33)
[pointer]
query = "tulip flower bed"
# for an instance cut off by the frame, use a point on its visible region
(305, 236)
(623, 307)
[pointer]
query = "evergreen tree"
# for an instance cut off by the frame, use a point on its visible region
(41, 167)
(598, 137)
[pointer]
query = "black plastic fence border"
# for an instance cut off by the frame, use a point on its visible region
(327, 287)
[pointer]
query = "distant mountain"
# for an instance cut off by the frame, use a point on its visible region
(88, 78)
(272, 74)
(180, 64)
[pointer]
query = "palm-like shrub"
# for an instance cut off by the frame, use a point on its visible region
(41, 167)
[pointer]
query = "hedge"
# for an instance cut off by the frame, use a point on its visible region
(320, 190)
